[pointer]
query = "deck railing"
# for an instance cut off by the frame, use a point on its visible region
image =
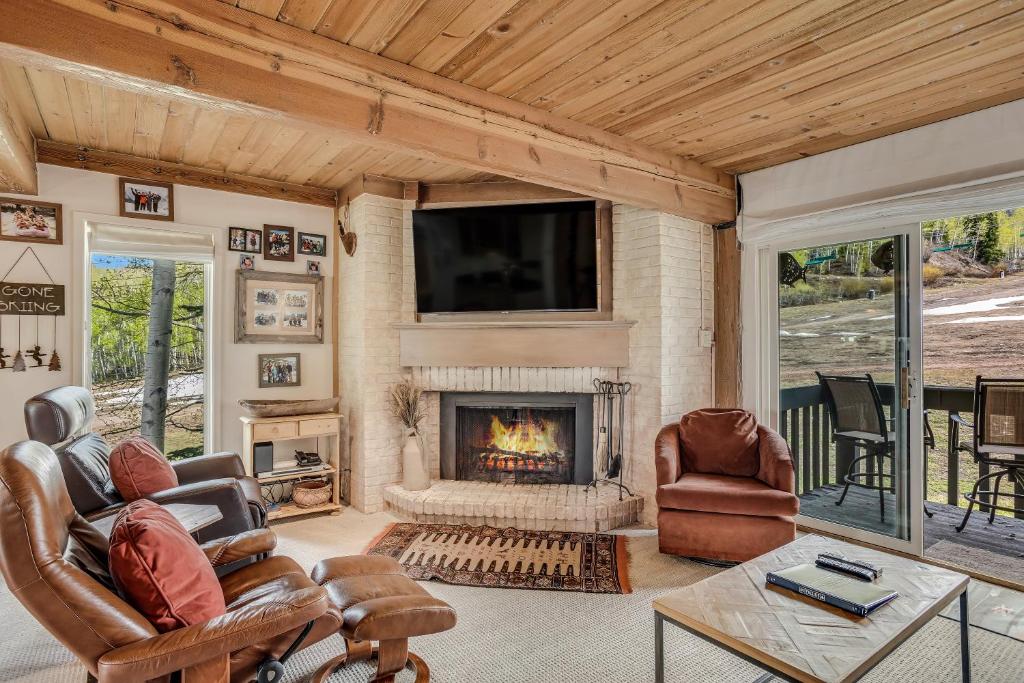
(804, 422)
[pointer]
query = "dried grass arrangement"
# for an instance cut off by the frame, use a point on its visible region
(406, 406)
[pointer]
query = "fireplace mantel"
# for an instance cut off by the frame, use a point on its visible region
(526, 344)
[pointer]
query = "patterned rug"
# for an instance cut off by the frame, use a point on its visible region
(508, 558)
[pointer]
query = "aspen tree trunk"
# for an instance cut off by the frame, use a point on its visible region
(158, 353)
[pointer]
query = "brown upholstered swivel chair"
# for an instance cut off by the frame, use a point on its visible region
(62, 418)
(54, 562)
(731, 496)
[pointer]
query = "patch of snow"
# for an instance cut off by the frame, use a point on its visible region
(984, 319)
(974, 306)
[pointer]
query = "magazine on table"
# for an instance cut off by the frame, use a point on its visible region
(845, 592)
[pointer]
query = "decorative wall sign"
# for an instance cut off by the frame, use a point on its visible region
(28, 298)
(26, 220)
(34, 299)
(278, 307)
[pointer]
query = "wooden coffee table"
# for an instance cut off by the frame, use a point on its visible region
(799, 639)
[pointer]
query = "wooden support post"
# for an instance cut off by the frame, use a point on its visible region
(727, 319)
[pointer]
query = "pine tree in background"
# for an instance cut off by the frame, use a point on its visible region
(972, 232)
(987, 249)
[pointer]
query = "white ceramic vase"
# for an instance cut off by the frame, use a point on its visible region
(414, 472)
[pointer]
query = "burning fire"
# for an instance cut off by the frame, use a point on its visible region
(529, 436)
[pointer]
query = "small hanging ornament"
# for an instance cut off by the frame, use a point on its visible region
(19, 363)
(3, 359)
(54, 365)
(36, 354)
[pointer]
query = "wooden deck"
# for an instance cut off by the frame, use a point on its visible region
(989, 548)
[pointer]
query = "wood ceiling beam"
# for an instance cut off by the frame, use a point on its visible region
(224, 58)
(439, 195)
(377, 185)
(17, 147)
(73, 156)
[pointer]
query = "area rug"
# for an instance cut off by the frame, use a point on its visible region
(508, 558)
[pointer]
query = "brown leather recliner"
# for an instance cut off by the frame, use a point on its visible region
(54, 562)
(62, 418)
(732, 496)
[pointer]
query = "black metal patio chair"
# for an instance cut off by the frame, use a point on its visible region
(998, 444)
(858, 418)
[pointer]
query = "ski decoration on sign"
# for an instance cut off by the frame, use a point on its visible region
(30, 299)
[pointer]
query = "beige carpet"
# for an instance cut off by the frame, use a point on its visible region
(521, 635)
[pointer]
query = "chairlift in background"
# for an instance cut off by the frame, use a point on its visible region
(819, 258)
(959, 246)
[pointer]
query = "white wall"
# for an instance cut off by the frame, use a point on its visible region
(235, 372)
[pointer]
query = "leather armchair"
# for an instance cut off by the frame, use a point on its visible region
(734, 507)
(54, 562)
(62, 418)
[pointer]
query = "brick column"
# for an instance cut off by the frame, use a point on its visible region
(658, 277)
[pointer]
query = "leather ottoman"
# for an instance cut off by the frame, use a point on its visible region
(379, 603)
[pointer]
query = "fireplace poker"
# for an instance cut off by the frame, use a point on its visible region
(608, 392)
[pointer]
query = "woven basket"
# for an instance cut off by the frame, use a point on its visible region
(307, 494)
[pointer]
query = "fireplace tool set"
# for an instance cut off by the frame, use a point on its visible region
(609, 440)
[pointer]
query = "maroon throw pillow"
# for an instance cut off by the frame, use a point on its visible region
(161, 570)
(719, 441)
(138, 469)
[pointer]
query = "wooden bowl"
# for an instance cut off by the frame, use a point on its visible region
(308, 494)
(285, 408)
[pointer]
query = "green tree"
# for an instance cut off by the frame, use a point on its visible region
(987, 248)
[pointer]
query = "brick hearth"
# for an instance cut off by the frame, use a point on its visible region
(523, 506)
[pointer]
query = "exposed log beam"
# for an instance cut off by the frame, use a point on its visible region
(73, 156)
(437, 195)
(226, 58)
(17, 148)
(376, 185)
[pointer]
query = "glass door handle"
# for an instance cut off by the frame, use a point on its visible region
(905, 388)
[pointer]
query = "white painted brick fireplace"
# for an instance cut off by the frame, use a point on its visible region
(663, 280)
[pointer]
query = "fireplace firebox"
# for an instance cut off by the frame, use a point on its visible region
(520, 438)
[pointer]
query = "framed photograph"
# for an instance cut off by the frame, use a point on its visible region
(246, 261)
(312, 245)
(26, 220)
(278, 307)
(279, 370)
(313, 268)
(278, 243)
(146, 199)
(245, 239)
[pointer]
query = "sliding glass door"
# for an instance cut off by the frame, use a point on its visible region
(848, 341)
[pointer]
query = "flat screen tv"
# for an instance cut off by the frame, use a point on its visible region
(522, 257)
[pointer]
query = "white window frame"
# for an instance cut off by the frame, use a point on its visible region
(82, 320)
(761, 361)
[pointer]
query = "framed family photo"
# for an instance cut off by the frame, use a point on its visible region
(245, 239)
(146, 199)
(26, 220)
(279, 370)
(278, 307)
(278, 243)
(312, 245)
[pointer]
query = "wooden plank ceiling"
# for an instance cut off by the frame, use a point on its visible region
(60, 108)
(736, 85)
